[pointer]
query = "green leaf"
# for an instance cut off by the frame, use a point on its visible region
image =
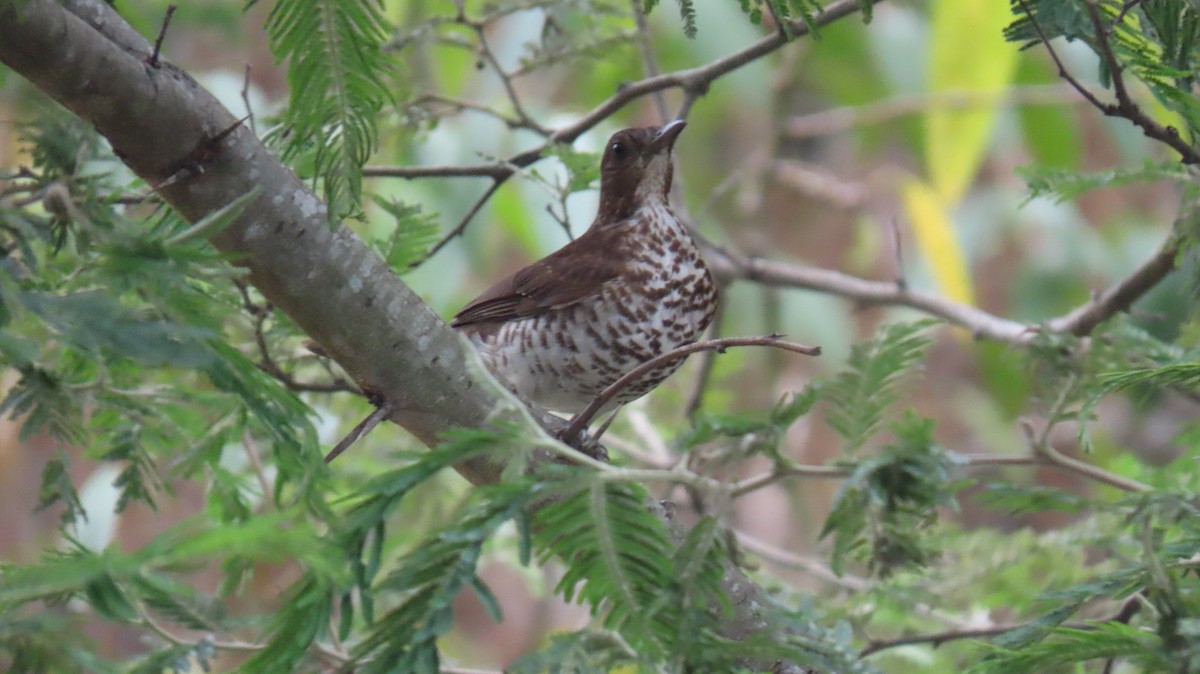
(858, 397)
(1065, 185)
(336, 69)
(414, 234)
(96, 321)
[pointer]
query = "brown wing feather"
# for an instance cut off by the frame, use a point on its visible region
(564, 277)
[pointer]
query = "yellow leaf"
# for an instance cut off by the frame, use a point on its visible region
(937, 242)
(967, 53)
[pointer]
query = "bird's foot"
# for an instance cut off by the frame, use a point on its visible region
(582, 442)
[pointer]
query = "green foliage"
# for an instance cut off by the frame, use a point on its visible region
(620, 558)
(882, 509)
(859, 396)
(583, 652)
(687, 13)
(1154, 42)
(1064, 184)
(1184, 374)
(336, 77)
(414, 234)
(1154, 587)
(753, 434)
(583, 168)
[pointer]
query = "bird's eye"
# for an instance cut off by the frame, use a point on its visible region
(619, 150)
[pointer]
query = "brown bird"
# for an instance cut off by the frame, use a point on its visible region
(633, 286)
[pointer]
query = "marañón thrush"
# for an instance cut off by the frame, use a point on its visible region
(633, 286)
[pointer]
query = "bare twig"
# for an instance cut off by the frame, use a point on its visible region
(246, 99)
(362, 429)
(493, 171)
(898, 255)
(162, 35)
(1124, 614)
(649, 60)
(1079, 322)
(1119, 296)
(936, 638)
(460, 105)
(769, 272)
(267, 363)
(235, 646)
(791, 560)
(820, 183)
(707, 361)
(463, 222)
(581, 420)
(1043, 450)
(485, 52)
(962, 461)
(256, 464)
(1129, 5)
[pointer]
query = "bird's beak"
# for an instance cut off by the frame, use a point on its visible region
(665, 139)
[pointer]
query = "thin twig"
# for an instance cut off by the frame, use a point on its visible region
(961, 461)
(1124, 614)
(983, 325)
(493, 171)
(1122, 294)
(936, 638)
(256, 464)
(237, 646)
(1129, 5)
(1045, 451)
(246, 100)
(162, 35)
(769, 272)
(485, 51)
(705, 370)
(649, 60)
(791, 560)
(260, 313)
(898, 255)
(1125, 107)
(581, 420)
(362, 429)
(820, 183)
(461, 105)
(462, 223)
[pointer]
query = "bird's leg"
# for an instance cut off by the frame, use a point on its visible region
(604, 426)
(582, 441)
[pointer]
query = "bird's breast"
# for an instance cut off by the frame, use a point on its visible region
(663, 299)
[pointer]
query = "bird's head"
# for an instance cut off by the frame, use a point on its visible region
(636, 169)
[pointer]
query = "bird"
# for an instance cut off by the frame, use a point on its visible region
(633, 286)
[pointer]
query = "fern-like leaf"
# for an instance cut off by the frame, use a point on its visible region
(414, 234)
(335, 75)
(859, 396)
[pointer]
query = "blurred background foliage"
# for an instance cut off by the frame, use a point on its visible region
(923, 127)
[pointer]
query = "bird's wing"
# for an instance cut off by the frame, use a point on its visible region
(560, 279)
